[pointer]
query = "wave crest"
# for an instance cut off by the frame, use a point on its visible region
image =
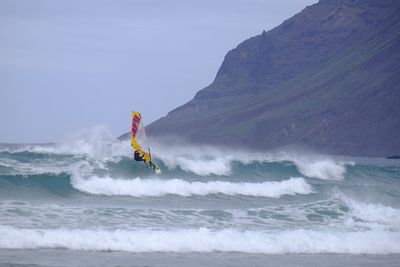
(156, 187)
(98, 144)
(206, 160)
(203, 240)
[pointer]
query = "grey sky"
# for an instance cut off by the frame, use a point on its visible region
(67, 65)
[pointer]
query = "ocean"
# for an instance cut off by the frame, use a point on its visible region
(86, 202)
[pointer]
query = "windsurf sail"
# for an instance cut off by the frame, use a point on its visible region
(140, 143)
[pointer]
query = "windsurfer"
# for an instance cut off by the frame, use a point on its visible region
(145, 157)
(138, 156)
(139, 144)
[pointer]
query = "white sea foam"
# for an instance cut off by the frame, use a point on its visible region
(307, 163)
(99, 144)
(23, 168)
(371, 212)
(203, 167)
(200, 160)
(206, 160)
(96, 142)
(156, 187)
(326, 169)
(203, 240)
(51, 166)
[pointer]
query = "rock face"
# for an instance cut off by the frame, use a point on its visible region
(327, 78)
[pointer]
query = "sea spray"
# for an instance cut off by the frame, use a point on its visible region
(97, 145)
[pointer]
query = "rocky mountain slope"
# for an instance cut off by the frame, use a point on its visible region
(327, 78)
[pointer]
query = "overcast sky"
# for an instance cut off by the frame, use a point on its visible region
(73, 64)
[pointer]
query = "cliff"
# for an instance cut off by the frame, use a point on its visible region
(327, 78)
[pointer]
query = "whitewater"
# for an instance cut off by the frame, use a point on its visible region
(86, 194)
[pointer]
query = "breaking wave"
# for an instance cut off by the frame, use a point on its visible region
(206, 160)
(370, 212)
(207, 199)
(98, 145)
(203, 240)
(147, 187)
(155, 187)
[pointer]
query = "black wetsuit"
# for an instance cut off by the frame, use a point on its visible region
(138, 157)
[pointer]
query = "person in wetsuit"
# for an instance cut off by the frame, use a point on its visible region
(139, 156)
(146, 158)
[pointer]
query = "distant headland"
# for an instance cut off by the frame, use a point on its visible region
(327, 78)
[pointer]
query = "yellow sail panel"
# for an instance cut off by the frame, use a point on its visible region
(139, 142)
(136, 119)
(147, 157)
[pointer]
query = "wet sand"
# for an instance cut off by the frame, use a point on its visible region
(67, 258)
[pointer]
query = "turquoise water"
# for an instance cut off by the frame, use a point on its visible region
(87, 196)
